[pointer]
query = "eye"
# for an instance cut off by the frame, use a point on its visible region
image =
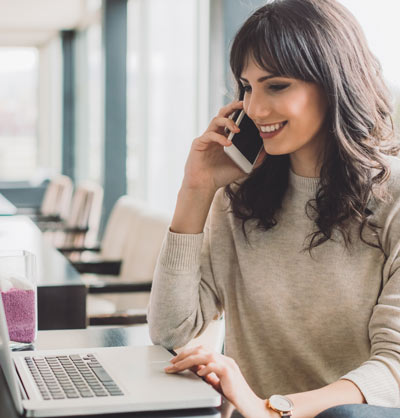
(278, 87)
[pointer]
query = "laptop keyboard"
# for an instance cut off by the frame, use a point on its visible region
(74, 376)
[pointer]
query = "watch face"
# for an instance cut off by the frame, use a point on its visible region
(281, 403)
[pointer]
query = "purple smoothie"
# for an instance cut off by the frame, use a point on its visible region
(20, 310)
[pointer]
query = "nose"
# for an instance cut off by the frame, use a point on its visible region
(257, 107)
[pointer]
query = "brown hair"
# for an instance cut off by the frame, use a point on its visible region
(320, 41)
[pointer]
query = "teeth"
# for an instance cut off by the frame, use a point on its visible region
(271, 128)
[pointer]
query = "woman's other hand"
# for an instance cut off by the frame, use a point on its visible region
(224, 375)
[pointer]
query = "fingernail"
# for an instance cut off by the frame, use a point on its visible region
(173, 360)
(169, 368)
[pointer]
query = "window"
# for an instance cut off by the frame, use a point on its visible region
(18, 113)
(95, 120)
(89, 122)
(167, 94)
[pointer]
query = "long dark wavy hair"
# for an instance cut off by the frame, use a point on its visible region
(320, 41)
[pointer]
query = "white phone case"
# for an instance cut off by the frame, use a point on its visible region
(235, 154)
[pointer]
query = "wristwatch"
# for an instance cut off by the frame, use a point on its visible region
(281, 404)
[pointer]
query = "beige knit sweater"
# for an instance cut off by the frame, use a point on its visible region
(293, 322)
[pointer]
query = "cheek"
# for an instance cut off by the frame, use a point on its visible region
(306, 107)
(298, 103)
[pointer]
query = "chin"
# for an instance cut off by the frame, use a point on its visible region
(276, 150)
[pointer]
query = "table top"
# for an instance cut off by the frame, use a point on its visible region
(6, 207)
(100, 337)
(53, 269)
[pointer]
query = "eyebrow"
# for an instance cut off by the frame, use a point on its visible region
(261, 79)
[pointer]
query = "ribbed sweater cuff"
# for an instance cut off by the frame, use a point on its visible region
(181, 252)
(376, 383)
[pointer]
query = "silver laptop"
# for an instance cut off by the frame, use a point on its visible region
(99, 380)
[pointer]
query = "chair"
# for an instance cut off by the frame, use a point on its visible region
(82, 223)
(106, 258)
(122, 298)
(56, 199)
(55, 203)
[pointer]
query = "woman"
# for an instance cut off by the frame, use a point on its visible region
(302, 254)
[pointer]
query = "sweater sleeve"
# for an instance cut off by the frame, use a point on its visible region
(184, 297)
(379, 377)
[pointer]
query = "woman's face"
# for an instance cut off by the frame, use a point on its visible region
(290, 115)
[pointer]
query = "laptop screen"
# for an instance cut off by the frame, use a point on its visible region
(6, 362)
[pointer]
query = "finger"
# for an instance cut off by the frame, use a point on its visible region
(213, 380)
(191, 361)
(217, 368)
(225, 123)
(230, 108)
(187, 352)
(209, 137)
(195, 369)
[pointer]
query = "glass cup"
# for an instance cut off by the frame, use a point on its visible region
(18, 290)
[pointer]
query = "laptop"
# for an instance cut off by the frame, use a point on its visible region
(103, 380)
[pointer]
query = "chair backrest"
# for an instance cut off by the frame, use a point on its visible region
(48, 206)
(86, 205)
(143, 246)
(85, 212)
(57, 197)
(95, 200)
(123, 219)
(78, 207)
(65, 190)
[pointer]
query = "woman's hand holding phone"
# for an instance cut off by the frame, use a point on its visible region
(207, 166)
(207, 169)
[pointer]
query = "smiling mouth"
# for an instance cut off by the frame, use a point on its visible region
(273, 127)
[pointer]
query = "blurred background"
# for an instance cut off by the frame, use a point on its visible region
(114, 91)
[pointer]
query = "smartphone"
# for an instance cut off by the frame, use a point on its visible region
(246, 144)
